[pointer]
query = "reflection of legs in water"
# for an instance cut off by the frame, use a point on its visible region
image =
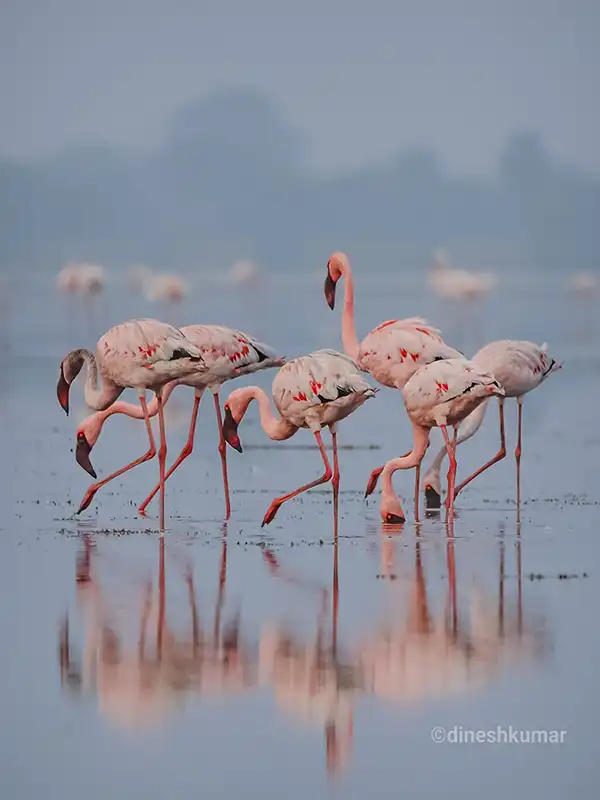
(452, 609)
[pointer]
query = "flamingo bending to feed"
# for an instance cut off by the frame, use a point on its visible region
(227, 354)
(520, 366)
(140, 354)
(438, 395)
(311, 392)
(393, 351)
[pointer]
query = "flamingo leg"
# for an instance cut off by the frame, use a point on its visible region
(518, 449)
(335, 481)
(451, 450)
(162, 456)
(187, 450)
(327, 475)
(89, 495)
(374, 477)
(498, 457)
(417, 484)
(223, 452)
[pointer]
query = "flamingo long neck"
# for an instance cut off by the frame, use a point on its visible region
(468, 428)
(136, 411)
(275, 428)
(95, 397)
(413, 459)
(349, 337)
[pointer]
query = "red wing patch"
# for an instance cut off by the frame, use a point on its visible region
(441, 387)
(315, 386)
(384, 325)
(300, 397)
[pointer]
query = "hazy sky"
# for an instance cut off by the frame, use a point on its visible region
(361, 78)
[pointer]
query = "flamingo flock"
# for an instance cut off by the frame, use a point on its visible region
(440, 387)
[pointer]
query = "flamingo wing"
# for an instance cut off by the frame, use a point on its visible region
(442, 381)
(229, 352)
(146, 342)
(321, 377)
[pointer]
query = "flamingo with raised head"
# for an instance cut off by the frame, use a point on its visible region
(140, 354)
(311, 392)
(520, 366)
(227, 354)
(393, 351)
(439, 394)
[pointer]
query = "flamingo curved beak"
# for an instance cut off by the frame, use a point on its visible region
(329, 290)
(62, 391)
(230, 433)
(82, 455)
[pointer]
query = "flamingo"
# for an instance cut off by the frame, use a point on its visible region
(311, 392)
(140, 354)
(227, 354)
(439, 394)
(169, 287)
(393, 351)
(81, 278)
(520, 366)
(458, 284)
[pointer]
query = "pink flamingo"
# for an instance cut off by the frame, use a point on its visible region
(140, 354)
(520, 366)
(227, 354)
(393, 351)
(439, 394)
(311, 392)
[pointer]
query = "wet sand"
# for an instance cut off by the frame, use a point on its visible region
(233, 661)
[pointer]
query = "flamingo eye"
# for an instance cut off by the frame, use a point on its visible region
(80, 435)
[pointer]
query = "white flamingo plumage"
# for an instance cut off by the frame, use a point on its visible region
(520, 366)
(311, 392)
(227, 354)
(393, 351)
(439, 394)
(140, 354)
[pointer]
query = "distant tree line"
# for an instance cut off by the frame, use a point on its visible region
(232, 181)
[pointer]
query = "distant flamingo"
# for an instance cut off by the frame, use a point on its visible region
(459, 284)
(140, 354)
(438, 395)
(227, 354)
(311, 392)
(81, 278)
(585, 284)
(520, 366)
(169, 287)
(393, 351)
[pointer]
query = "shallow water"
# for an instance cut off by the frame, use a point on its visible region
(233, 661)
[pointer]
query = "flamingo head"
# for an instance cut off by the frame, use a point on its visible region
(87, 436)
(230, 426)
(391, 511)
(337, 266)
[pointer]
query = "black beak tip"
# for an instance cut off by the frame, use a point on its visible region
(62, 392)
(394, 519)
(432, 498)
(329, 288)
(82, 456)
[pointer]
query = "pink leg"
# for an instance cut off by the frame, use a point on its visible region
(187, 450)
(162, 456)
(372, 484)
(335, 481)
(223, 452)
(327, 475)
(417, 483)
(450, 448)
(498, 457)
(518, 450)
(89, 495)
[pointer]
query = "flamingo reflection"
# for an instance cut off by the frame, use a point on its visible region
(138, 684)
